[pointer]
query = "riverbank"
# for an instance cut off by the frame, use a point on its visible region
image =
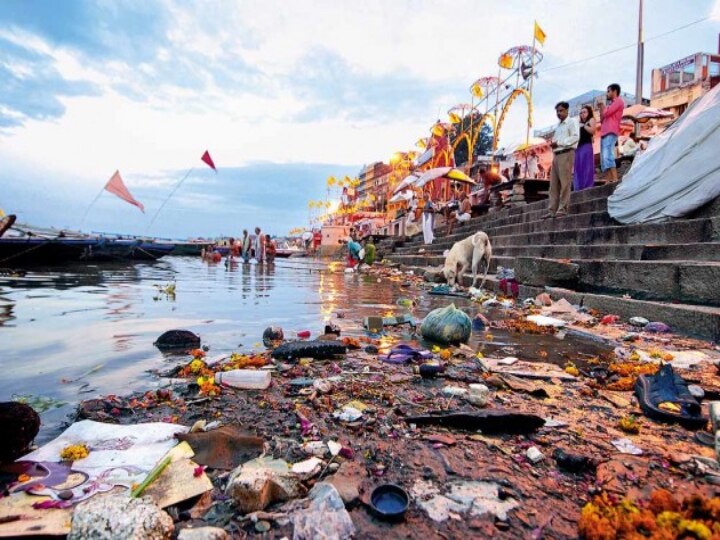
(460, 481)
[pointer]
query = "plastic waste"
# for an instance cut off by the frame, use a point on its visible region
(245, 379)
(534, 455)
(447, 325)
(479, 394)
(303, 334)
(639, 322)
(542, 320)
(480, 322)
(177, 339)
(625, 446)
(428, 371)
(272, 336)
(657, 328)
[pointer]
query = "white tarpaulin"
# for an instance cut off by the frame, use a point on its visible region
(678, 173)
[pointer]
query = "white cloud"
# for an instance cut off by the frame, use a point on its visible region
(433, 42)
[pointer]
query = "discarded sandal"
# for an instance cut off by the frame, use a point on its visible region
(665, 397)
(402, 354)
(444, 290)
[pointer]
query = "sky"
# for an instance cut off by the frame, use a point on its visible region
(281, 93)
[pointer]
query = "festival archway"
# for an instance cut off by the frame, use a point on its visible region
(508, 103)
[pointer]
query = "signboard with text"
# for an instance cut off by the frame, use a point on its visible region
(677, 66)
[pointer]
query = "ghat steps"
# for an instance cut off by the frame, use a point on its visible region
(666, 271)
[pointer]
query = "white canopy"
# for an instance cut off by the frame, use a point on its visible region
(678, 172)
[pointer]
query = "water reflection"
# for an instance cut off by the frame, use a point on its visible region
(59, 325)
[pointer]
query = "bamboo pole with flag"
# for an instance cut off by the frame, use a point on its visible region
(205, 159)
(117, 187)
(538, 37)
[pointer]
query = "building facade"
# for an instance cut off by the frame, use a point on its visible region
(677, 85)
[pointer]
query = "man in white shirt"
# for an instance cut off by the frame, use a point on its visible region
(630, 147)
(563, 145)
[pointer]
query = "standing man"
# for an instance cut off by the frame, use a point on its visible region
(259, 246)
(610, 117)
(563, 145)
(245, 247)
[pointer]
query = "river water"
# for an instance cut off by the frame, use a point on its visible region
(89, 330)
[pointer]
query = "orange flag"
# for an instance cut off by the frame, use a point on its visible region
(116, 186)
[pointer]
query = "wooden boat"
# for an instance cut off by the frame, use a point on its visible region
(39, 251)
(113, 249)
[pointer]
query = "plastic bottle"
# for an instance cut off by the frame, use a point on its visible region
(245, 379)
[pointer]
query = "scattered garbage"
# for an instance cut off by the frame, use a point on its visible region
(403, 353)
(19, 425)
(626, 446)
(640, 322)
(316, 349)
(348, 414)
(309, 467)
(657, 328)
(224, 448)
(534, 455)
(472, 497)
(303, 334)
(454, 391)
(324, 517)
(177, 339)
(665, 397)
(491, 421)
(272, 336)
(479, 395)
(447, 325)
(109, 517)
(446, 290)
(573, 463)
(542, 320)
(244, 379)
(389, 502)
(262, 481)
(429, 371)
(480, 322)
(203, 533)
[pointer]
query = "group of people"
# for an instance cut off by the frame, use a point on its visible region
(262, 247)
(360, 250)
(573, 163)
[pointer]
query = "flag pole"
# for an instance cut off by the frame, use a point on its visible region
(97, 197)
(177, 186)
(532, 77)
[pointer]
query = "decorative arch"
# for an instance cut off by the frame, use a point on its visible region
(484, 118)
(515, 93)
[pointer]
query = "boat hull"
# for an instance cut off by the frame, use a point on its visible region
(17, 252)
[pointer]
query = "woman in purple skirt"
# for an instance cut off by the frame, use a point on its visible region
(584, 176)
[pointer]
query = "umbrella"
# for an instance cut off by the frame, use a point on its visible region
(408, 181)
(643, 113)
(450, 173)
(402, 196)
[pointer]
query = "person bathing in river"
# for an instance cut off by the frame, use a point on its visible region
(369, 248)
(245, 246)
(259, 246)
(354, 248)
(270, 248)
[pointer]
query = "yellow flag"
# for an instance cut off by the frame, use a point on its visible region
(438, 130)
(506, 61)
(331, 181)
(421, 143)
(477, 91)
(539, 34)
(454, 118)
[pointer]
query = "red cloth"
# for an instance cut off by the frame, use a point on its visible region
(116, 186)
(208, 160)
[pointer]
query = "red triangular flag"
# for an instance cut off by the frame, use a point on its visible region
(207, 159)
(116, 186)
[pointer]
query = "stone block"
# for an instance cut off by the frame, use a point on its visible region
(546, 272)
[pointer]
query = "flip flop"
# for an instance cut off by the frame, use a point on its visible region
(402, 354)
(444, 290)
(667, 387)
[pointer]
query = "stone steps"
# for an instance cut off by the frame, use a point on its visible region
(669, 268)
(693, 320)
(561, 232)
